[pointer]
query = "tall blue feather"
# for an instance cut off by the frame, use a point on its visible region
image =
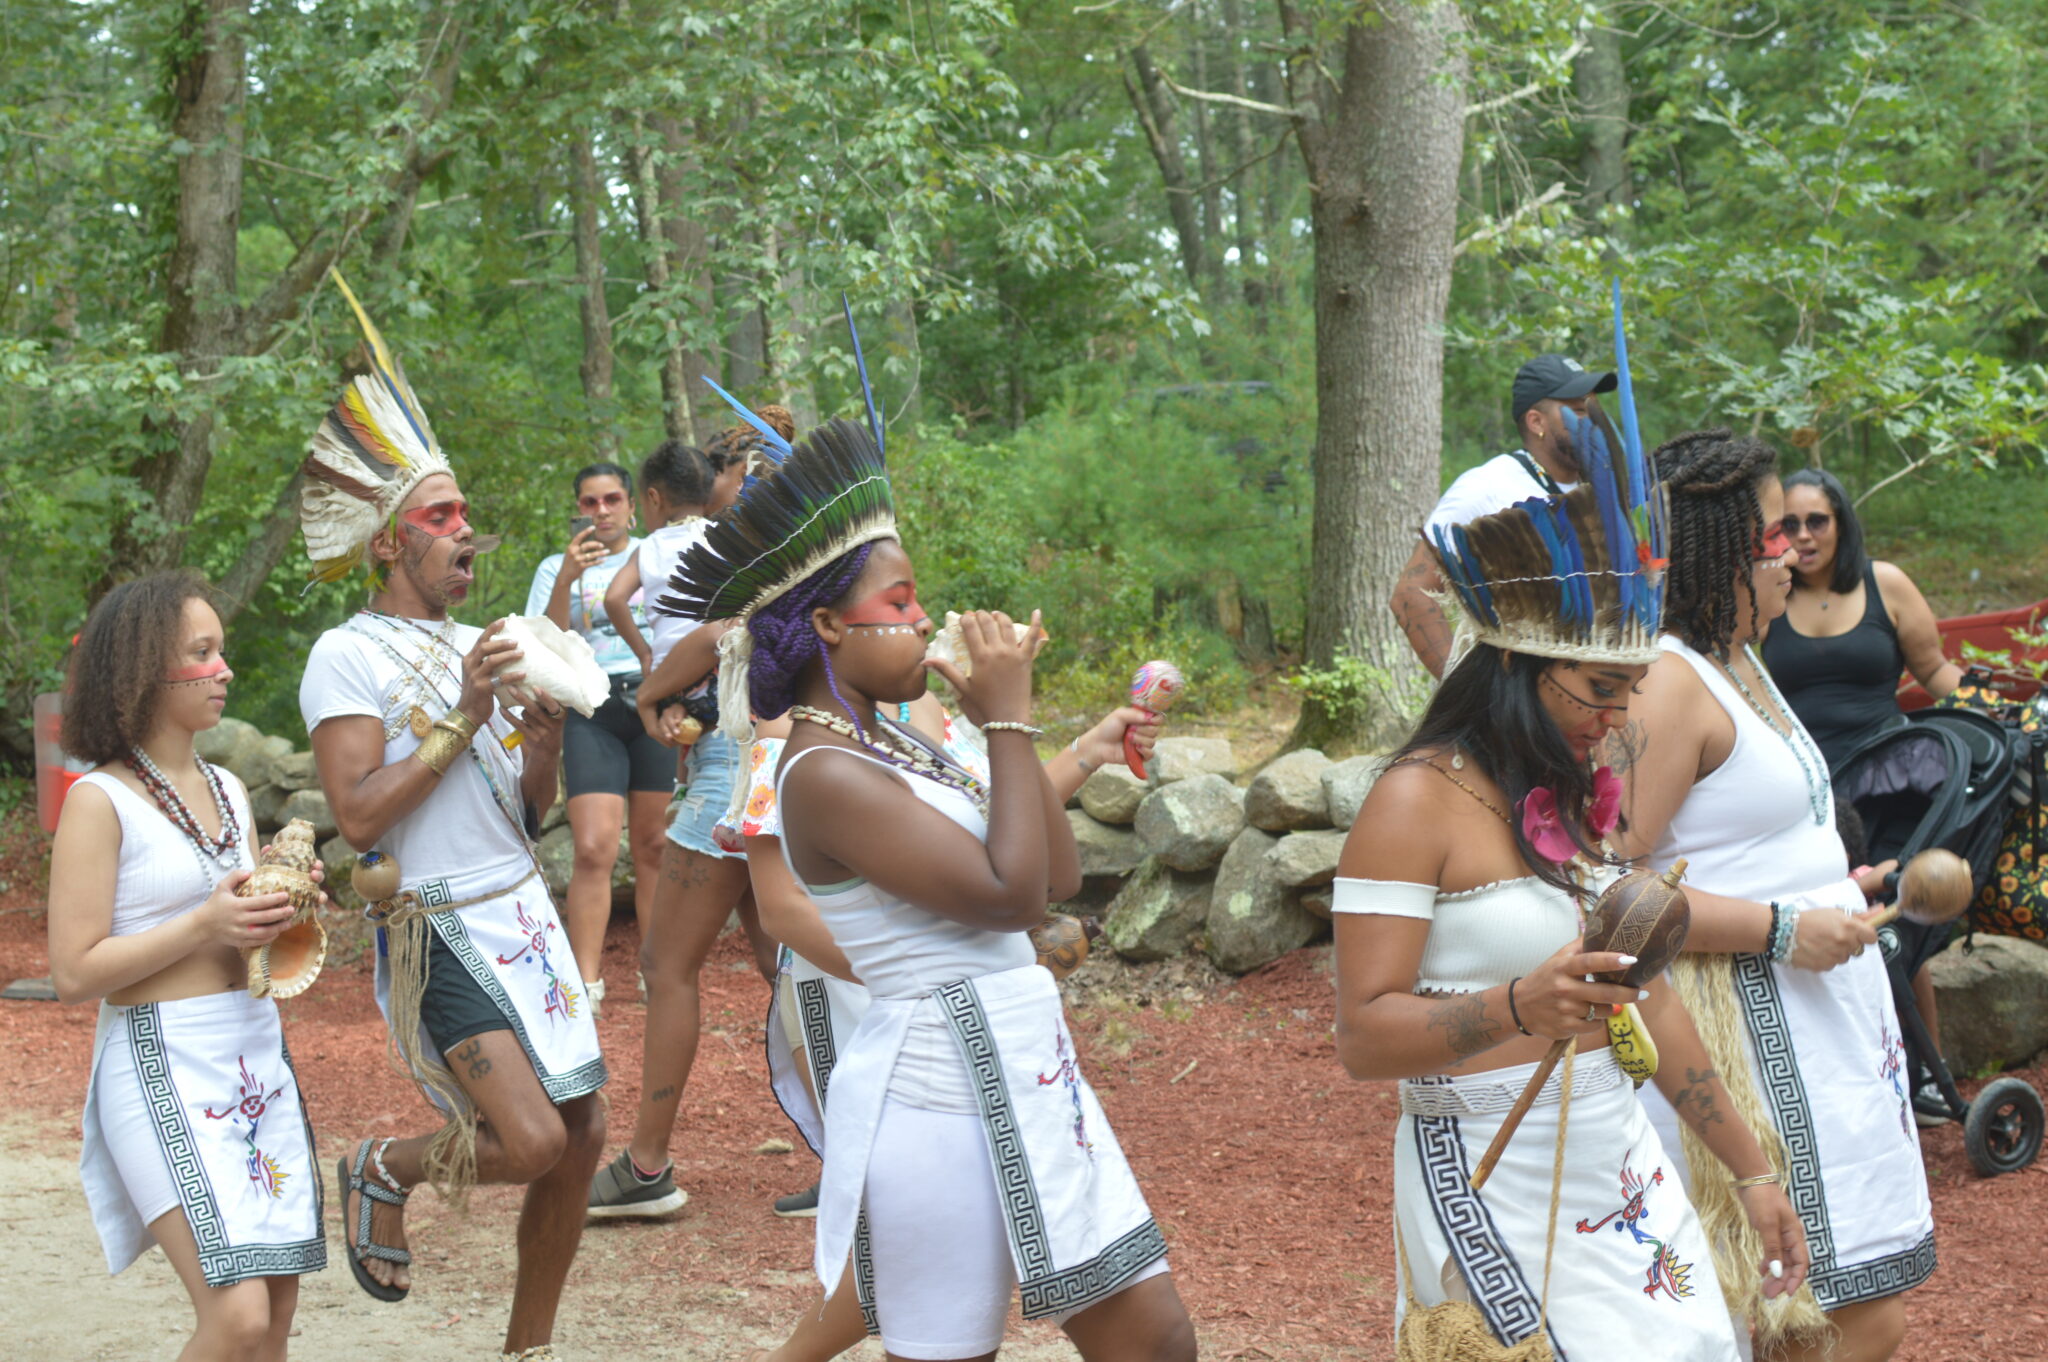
(1459, 573)
(1625, 395)
(777, 446)
(867, 393)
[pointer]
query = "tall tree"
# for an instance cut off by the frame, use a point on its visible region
(1154, 105)
(586, 194)
(1379, 115)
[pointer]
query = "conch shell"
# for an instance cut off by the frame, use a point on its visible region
(287, 966)
(555, 661)
(948, 646)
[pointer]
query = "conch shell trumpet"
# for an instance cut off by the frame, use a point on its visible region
(287, 966)
(555, 661)
(948, 646)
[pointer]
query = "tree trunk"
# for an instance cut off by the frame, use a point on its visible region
(1241, 192)
(746, 357)
(690, 247)
(1383, 151)
(1601, 81)
(1211, 189)
(201, 324)
(585, 194)
(899, 342)
(1154, 104)
(786, 344)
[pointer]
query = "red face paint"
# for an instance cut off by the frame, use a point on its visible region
(1776, 544)
(892, 607)
(198, 671)
(439, 519)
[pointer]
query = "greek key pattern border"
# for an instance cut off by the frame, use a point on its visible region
(1491, 1274)
(864, 1274)
(220, 1262)
(1876, 1279)
(1045, 1289)
(1756, 986)
(814, 1015)
(560, 1088)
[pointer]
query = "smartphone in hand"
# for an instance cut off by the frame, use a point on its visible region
(578, 524)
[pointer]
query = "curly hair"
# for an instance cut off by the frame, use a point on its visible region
(785, 642)
(680, 472)
(1716, 522)
(116, 675)
(736, 444)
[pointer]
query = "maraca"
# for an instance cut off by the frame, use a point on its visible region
(1154, 689)
(1935, 888)
(1062, 942)
(1644, 914)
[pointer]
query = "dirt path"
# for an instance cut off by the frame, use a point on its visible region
(1268, 1169)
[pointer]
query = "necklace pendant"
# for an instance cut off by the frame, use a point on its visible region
(1457, 760)
(419, 723)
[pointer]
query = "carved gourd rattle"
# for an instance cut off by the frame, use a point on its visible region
(1934, 889)
(1154, 689)
(1644, 914)
(289, 963)
(1062, 942)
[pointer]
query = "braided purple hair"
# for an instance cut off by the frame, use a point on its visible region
(785, 641)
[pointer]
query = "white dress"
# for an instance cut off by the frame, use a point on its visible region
(1825, 1047)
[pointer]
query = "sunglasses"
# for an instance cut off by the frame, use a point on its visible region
(1816, 523)
(610, 500)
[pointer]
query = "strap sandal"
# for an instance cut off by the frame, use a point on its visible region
(540, 1352)
(361, 1246)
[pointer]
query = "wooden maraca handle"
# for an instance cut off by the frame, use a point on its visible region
(1131, 757)
(1517, 1112)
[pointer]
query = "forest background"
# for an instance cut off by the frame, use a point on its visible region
(1180, 312)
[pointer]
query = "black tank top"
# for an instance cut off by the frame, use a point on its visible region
(1844, 688)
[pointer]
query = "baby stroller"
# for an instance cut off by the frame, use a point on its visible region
(1945, 778)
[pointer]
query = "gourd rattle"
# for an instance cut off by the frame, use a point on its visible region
(1154, 689)
(1644, 914)
(1935, 888)
(1062, 942)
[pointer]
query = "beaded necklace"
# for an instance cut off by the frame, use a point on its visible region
(906, 751)
(216, 854)
(1812, 765)
(432, 644)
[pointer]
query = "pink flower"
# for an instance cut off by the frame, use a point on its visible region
(1543, 828)
(1605, 810)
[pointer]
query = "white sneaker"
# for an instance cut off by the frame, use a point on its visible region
(593, 989)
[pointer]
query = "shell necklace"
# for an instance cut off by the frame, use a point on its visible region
(911, 755)
(217, 855)
(1812, 765)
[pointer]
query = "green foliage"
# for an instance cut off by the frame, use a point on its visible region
(1358, 696)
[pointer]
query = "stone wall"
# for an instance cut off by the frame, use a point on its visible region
(1188, 860)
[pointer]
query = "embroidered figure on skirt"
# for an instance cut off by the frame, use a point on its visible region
(1666, 1274)
(250, 1106)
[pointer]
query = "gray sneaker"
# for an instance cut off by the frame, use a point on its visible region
(798, 1205)
(619, 1193)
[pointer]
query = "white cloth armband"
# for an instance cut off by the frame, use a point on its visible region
(1388, 898)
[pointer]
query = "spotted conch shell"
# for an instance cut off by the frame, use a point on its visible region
(948, 646)
(556, 661)
(287, 966)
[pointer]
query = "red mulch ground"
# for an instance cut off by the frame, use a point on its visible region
(1268, 1168)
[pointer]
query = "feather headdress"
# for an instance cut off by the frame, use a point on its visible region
(1578, 576)
(828, 495)
(372, 448)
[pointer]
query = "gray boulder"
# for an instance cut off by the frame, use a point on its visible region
(1252, 922)
(264, 803)
(557, 853)
(1191, 823)
(310, 805)
(1304, 860)
(1156, 913)
(1179, 758)
(295, 771)
(257, 763)
(227, 742)
(1288, 794)
(1317, 901)
(340, 858)
(1111, 794)
(1993, 1001)
(1105, 850)
(1345, 786)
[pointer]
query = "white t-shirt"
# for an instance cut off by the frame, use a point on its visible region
(587, 615)
(1495, 485)
(658, 555)
(382, 668)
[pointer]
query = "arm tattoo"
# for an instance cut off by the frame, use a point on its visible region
(472, 1055)
(1466, 1027)
(1626, 746)
(1695, 1101)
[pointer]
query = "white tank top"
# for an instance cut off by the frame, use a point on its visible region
(1747, 829)
(161, 875)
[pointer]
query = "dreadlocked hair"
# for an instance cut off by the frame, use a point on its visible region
(785, 640)
(1488, 708)
(1717, 521)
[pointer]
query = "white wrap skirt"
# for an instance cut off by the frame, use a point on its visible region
(194, 1106)
(1078, 1227)
(1631, 1268)
(816, 1013)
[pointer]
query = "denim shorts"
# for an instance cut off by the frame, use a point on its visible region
(708, 775)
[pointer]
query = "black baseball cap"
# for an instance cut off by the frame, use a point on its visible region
(1556, 376)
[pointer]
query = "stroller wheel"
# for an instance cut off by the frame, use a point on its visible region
(2002, 1133)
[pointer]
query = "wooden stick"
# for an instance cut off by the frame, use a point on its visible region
(1518, 1111)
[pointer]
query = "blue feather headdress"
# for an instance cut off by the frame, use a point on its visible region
(1578, 576)
(825, 496)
